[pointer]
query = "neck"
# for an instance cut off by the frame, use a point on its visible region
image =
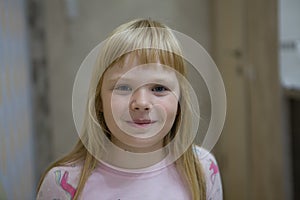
(129, 158)
(133, 149)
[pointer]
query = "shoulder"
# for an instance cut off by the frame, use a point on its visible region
(60, 182)
(207, 160)
(204, 156)
(212, 173)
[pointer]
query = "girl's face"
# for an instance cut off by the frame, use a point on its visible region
(140, 104)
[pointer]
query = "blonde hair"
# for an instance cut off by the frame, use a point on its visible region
(151, 41)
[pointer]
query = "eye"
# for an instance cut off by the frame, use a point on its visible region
(159, 89)
(123, 89)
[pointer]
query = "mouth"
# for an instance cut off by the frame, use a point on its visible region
(141, 122)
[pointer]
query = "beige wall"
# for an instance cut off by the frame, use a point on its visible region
(69, 40)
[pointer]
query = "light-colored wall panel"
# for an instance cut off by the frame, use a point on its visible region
(16, 131)
(228, 46)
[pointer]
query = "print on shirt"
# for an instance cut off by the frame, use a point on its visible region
(63, 183)
(215, 170)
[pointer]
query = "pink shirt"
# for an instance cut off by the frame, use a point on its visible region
(110, 183)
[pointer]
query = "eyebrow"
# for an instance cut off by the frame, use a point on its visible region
(115, 79)
(162, 81)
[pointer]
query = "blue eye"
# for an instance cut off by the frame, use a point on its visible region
(124, 88)
(159, 88)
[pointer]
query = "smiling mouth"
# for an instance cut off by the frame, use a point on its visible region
(141, 123)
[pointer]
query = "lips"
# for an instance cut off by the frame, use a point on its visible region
(141, 122)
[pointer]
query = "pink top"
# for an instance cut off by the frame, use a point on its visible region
(110, 183)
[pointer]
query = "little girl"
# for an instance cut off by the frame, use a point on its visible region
(136, 140)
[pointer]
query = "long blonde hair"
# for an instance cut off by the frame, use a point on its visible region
(152, 41)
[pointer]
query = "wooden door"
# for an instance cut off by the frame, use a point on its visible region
(251, 148)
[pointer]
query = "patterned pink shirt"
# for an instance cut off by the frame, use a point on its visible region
(109, 183)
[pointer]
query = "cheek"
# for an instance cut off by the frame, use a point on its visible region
(117, 105)
(110, 114)
(171, 106)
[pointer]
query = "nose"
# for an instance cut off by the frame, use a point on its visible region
(140, 100)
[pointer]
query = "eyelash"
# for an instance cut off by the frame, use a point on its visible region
(158, 89)
(161, 87)
(123, 88)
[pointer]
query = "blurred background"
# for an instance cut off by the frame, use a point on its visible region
(255, 44)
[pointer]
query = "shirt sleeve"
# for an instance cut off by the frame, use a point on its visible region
(214, 189)
(58, 184)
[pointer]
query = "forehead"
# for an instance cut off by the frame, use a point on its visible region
(133, 69)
